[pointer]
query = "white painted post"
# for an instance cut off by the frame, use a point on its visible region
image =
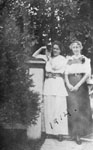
(36, 68)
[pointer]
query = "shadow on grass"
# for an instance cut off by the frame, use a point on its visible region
(16, 139)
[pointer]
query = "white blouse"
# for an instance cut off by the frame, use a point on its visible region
(55, 86)
(83, 67)
(56, 64)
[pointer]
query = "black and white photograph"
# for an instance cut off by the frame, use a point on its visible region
(46, 74)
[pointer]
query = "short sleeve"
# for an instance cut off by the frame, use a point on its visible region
(67, 64)
(48, 67)
(66, 70)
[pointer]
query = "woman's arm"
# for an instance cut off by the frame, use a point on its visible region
(77, 86)
(69, 85)
(38, 51)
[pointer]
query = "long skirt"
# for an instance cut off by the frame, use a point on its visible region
(55, 113)
(79, 110)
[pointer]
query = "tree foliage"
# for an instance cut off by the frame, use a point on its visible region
(46, 20)
(17, 103)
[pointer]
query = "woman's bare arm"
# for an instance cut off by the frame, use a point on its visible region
(77, 86)
(69, 85)
(38, 51)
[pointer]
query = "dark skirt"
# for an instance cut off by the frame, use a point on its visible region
(79, 110)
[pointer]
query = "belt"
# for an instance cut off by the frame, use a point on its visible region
(53, 75)
(76, 74)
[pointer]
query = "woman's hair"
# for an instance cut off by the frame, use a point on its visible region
(57, 43)
(78, 42)
(49, 47)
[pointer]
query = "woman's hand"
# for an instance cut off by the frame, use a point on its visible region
(75, 88)
(70, 86)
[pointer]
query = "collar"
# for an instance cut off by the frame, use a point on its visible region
(77, 57)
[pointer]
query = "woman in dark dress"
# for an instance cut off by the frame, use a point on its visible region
(78, 103)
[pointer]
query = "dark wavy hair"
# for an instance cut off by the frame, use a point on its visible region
(59, 45)
(49, 47)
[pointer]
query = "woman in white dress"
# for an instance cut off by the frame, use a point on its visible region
(55, 107)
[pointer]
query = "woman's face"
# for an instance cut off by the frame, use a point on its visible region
(56, 50)
(76, 49)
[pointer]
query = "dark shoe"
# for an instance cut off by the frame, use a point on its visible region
(60, 138)
(73, 138)
(78, 140)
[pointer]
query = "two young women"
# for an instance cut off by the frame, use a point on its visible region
(72, 117)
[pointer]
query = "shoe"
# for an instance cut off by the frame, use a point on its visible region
(60, 138)
(78, 140)
(73, 138)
